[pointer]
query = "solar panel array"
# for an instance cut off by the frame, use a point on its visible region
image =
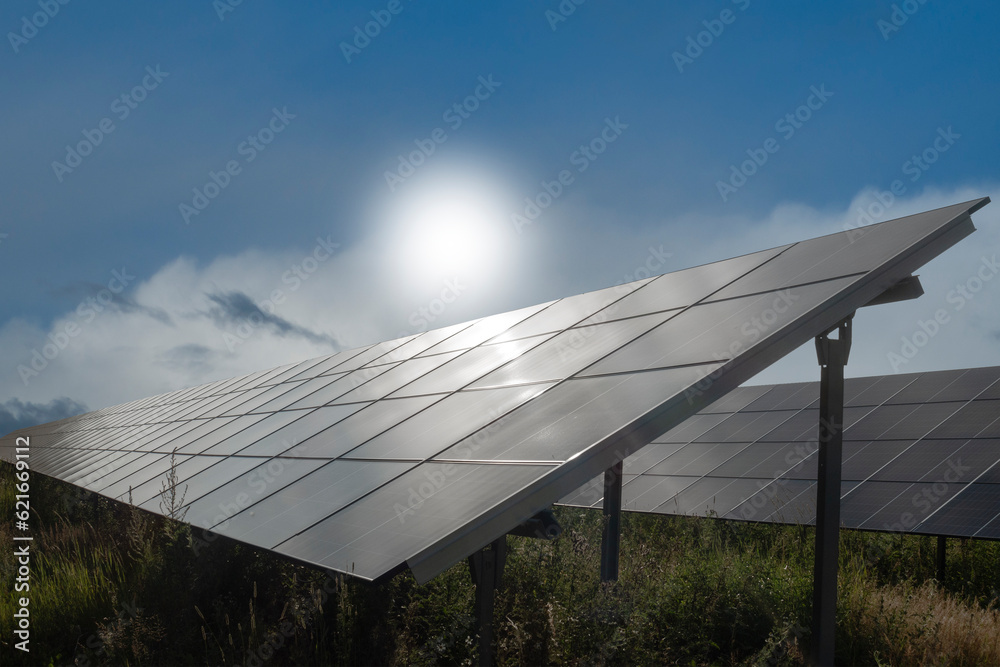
(417, 452)
(921, 454)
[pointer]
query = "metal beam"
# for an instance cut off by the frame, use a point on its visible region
(832, 354)
(611, 537)
(904, 290)
(486, 569)
(542, 526)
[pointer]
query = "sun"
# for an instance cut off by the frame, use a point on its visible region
(451, 226)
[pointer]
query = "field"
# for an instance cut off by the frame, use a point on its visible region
(111, 585)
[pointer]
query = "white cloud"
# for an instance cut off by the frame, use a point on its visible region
(168, 332)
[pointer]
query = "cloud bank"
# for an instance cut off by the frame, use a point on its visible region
(187, 323)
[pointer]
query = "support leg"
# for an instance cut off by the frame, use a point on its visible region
(832, 354)
(942, 544)
(611, 537)
(486, 568)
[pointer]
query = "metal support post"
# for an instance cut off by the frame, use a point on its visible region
(832, 355)
(486, 569)
(611, 537)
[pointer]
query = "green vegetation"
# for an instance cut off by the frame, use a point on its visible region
(112, 585)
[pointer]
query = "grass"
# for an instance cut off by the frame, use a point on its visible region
(116, 586)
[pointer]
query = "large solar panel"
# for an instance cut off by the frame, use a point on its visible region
(921, 454)
(417, 452)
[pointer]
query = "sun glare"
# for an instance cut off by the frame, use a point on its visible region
(450, 226)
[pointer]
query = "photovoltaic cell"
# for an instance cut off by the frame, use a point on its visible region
(483, 330)
(719, 330)
(401, 374)
(449, 420)
(649, 456)
(753, 456)
(421, 343)
(780, 397)
(569, 351)
(880, 391)
(308, 500)
(568, 312)
(682, 288)
(237, 441)
(692, 428)
(360, 427)
(647, 492)
(367, 536)
(198, 484)
(308, 425)
(466, 369)
(924, 388)
(977, 417)
(747, 427)
(584, 408)
(870, 457)
(737, 399)
(697, 459)
(269, 476)
(964, 514)
(343, 384)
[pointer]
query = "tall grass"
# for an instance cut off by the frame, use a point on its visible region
(113, 585)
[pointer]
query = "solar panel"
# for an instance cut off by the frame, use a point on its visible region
(416, 452)
(931, 466)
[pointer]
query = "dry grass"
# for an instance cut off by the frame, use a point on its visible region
(909, 624)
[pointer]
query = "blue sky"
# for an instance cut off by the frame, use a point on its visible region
(889, 90)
